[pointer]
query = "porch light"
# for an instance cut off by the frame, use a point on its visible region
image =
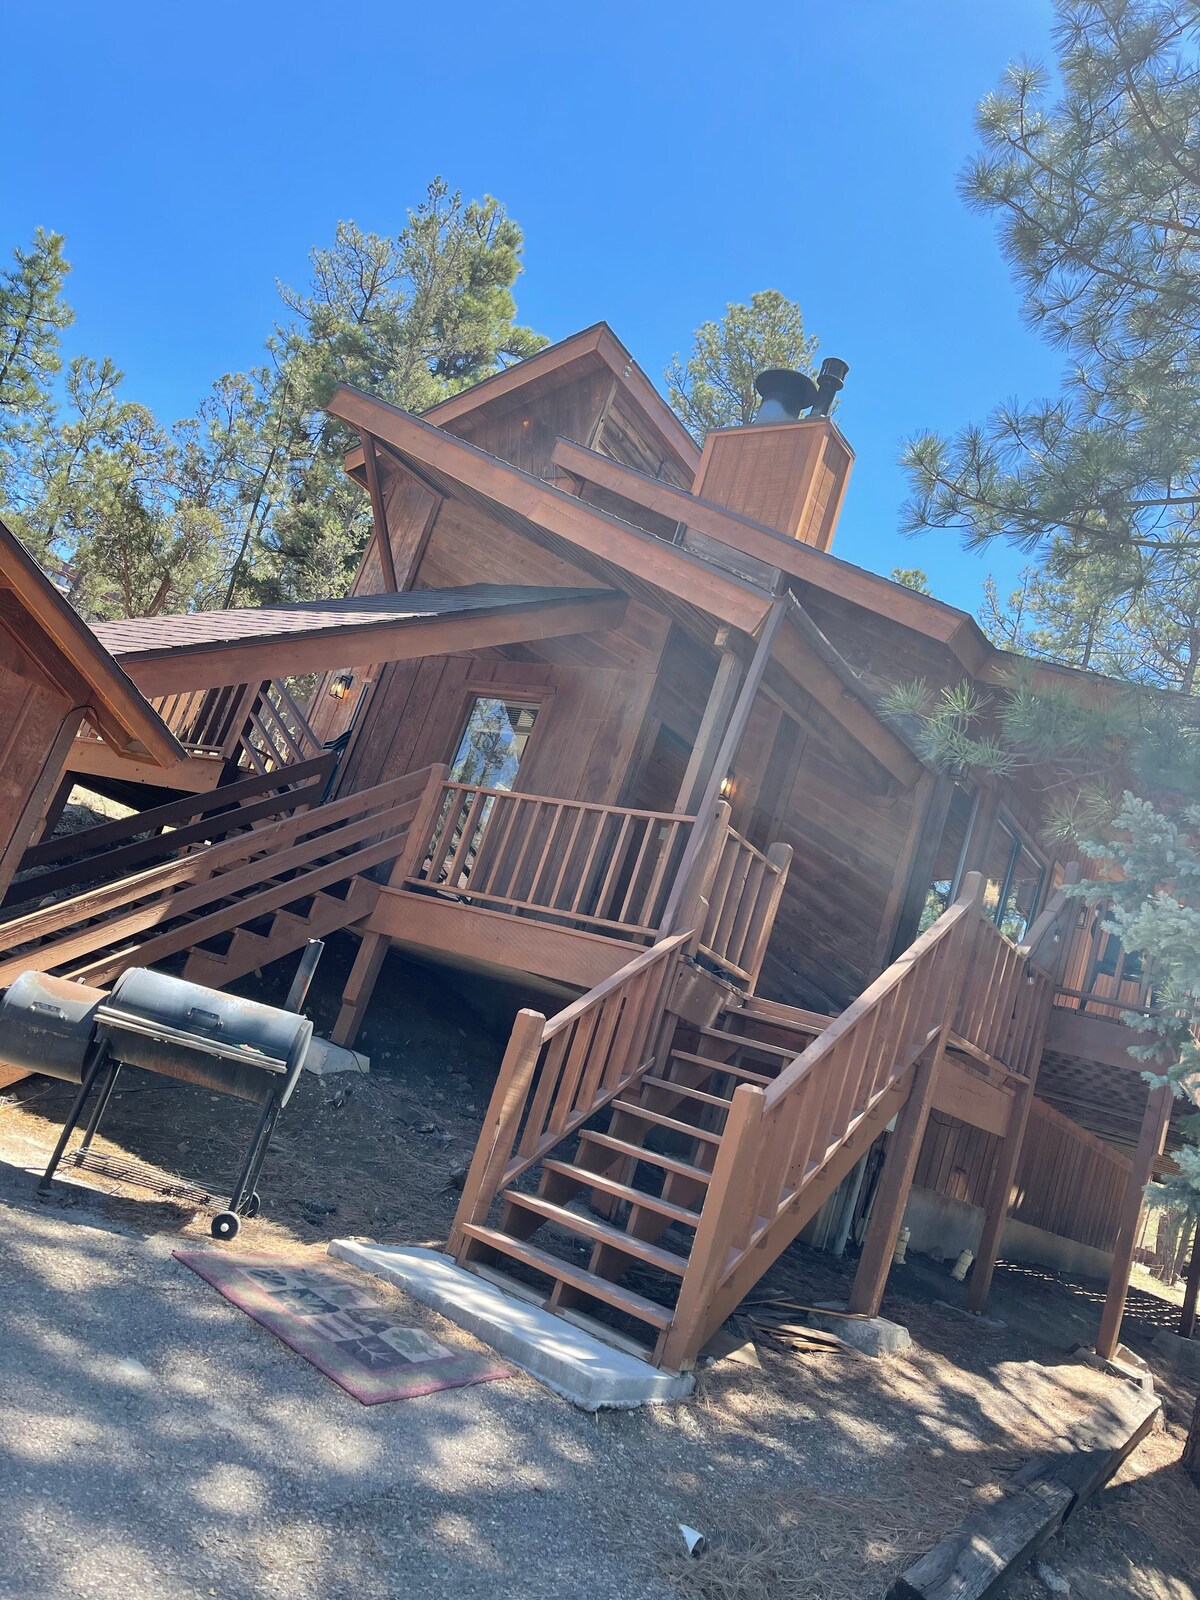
(340, 685)
(727, 785)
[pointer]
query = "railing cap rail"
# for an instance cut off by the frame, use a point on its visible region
(966, 906)
(644, 958)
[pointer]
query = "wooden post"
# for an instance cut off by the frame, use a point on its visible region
(1149, 1145)
(999, 1197)
(421, 826)
(895, 1181)
(683, 889)
(359, 987)
(712, 726)
(499, 1132)
(914, 868)
(724, 1223)
(387, 560)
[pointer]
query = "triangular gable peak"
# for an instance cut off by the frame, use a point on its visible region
(587, 388)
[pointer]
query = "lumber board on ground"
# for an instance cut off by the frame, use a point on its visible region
(989, 1548)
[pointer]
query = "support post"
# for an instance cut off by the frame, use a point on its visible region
(712, 726)
(1149, 1145)
(683, 889)
(895, 1181)
(359, 988)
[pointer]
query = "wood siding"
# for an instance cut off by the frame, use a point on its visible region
(1068, 1181)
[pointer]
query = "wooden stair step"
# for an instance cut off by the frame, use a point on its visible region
(661, 1121)
(622, 1191)
(599, 1232)
(626, 1300)
(778, 1052)
(608, 1141)
(649, 1081)
(742, 1073)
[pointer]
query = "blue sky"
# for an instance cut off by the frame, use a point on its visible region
(663, 159)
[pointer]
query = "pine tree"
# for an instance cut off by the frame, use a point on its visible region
(1096, 195)
(714, 388)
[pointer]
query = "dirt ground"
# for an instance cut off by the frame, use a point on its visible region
(816, 1476)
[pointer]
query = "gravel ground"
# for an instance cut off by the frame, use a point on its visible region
(155, 1442)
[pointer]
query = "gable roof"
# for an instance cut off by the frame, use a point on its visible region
(71, 655)
(594, 346)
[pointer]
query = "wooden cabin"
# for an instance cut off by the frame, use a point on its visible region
(606, 717)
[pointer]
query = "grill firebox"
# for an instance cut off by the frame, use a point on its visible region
(165, 1025)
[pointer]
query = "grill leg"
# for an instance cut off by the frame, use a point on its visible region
(257, 1153)
(98, 1057)
(101, 1105)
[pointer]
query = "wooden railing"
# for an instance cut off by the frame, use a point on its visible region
(113, 849)
(276, 733)
(149, 915)
(1003, 1001)
(558, 1073)
(779, 1137)
(600, 867)
(740, 891)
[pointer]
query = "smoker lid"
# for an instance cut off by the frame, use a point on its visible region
(208, 1019)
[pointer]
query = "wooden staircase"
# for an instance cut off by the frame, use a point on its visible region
(639, 1171)
(258, 893)
(626, 1195)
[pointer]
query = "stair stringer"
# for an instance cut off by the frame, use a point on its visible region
(289, 932)
(779, 1233)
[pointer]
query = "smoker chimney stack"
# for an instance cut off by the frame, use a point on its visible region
(784, 394)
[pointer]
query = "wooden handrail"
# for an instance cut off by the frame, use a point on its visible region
(70, 929)
(557, 1073)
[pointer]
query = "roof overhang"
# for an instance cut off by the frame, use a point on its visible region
(955, 629)
(811, 661)
(625, 551)
(71, 657)
(209, 649)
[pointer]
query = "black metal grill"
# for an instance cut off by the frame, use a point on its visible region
(164, 1025)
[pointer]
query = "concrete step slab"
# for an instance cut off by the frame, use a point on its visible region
(585, 1370)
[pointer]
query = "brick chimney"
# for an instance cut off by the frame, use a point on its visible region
(783, 470)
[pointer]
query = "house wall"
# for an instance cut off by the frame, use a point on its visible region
(37, 724)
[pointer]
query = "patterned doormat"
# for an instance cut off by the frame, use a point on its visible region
(341, 1329)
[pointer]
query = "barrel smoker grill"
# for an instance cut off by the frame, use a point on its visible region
(180, 1030)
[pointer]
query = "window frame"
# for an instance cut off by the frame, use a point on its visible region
(536, 695)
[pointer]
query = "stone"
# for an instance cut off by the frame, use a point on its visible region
(588, 1372)
(870, 1336)
(1049, 1579)
(1140, 1375)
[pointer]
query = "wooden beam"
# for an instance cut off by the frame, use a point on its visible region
(816, 669)
(687, 879)
(1100, 1039)
(387, 559)
(712, 726)
(895, 1182)
(722, 595)
(922, 613)
(162, 672)
(1149, 1147)
(193, 774)
(971, 1097)
(496, 941)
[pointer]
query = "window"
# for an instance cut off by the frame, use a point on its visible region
(948, 863)
(1013, 881)
(493, 742)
